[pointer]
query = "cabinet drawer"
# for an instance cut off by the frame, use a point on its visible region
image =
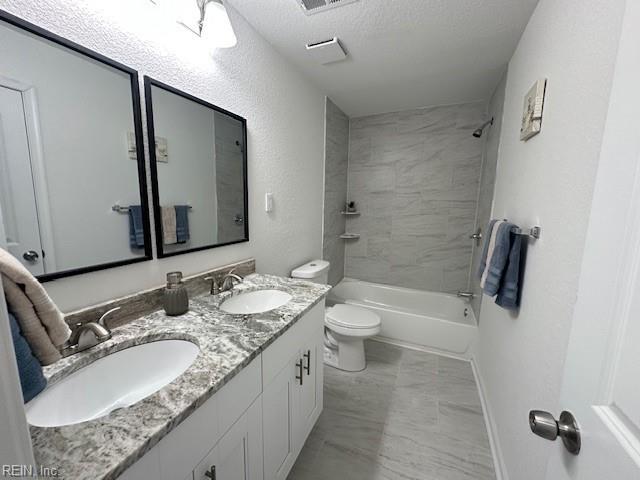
(279, 353)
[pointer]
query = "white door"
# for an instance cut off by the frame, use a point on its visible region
(600, 385)
(279, 413)
(17, 193)
(311, 388)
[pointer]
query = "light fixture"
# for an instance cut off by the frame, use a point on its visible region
(215, 26)
(207, 18)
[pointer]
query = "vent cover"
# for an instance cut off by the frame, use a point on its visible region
(316, 6)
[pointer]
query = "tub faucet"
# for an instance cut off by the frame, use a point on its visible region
(465, 295)
(87, 335)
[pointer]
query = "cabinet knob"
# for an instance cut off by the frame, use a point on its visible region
(211, 473)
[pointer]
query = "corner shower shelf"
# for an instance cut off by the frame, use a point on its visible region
(350, 213)
(350, 236)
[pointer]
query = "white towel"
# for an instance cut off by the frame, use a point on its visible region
(169, 236)
(40, 320)
(492, 246)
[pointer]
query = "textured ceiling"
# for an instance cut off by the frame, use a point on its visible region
(402, 53)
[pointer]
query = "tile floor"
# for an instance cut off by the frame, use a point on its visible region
(409, 415)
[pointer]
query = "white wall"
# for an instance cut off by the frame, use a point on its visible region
(547, 181)
(285, 115)
(85, 112)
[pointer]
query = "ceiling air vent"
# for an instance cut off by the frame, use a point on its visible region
(317, 6)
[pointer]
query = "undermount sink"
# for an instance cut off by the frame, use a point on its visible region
(116, 381)
(258, 301)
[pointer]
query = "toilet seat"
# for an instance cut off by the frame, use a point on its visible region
(352, 317)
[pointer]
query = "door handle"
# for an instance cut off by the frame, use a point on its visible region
(308, 357)
(477, 236)
(544, 425)
(211, 473)
(300, 367)
(31, 256)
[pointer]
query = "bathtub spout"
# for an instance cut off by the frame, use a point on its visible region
(465, 295)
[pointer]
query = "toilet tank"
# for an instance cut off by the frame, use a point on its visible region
(316, 271)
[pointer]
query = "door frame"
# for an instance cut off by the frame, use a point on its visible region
(38, 169)
(16, 444)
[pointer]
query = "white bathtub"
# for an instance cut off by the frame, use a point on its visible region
(434, 321)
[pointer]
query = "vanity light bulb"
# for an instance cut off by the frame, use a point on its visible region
(217, 29)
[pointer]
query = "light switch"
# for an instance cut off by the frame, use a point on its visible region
(268, 202)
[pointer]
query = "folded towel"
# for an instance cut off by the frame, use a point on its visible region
(182, 223)
(508, 294)
(136, 227)
(490, 249)
(32, 380)
(485, 248)
(496, 267)
(168, 225)
(41, 323)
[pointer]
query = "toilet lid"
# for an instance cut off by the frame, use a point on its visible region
(351, 316)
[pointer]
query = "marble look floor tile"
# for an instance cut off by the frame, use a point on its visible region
(409, 415)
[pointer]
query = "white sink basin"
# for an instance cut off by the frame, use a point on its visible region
(116, 381)
(258, 301)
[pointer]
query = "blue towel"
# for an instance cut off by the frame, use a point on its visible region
(136, 227)
(32, 380)
(508, 293)
(182, 223)
(496, 269)
(485, 248)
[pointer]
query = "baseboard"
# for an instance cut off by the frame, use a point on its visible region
(420, 348)
(496, 451)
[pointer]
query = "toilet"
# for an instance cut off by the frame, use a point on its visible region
(346, 326)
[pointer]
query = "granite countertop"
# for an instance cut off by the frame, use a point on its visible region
(106, 447)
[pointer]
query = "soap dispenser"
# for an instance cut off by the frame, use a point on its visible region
(176, 298)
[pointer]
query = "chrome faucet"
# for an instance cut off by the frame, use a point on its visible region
(465, 295)
(87, 335)
(226, 283)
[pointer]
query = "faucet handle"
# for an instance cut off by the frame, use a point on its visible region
(102, 319)
(215, 288)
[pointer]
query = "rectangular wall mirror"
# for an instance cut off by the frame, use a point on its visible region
(198, 170)
(73, 194)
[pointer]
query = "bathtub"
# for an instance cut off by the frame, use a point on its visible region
(433, 321)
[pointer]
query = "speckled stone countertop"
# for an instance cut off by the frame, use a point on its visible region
(106, 447)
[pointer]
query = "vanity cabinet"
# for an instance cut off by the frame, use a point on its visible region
(292, 396)
(255, 426)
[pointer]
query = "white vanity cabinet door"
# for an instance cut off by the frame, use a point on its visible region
(144, 469)
(279, 412)
(311, 388)
(238, 454)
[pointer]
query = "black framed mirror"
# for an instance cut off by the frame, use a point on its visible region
(198, 171)
(73, 191)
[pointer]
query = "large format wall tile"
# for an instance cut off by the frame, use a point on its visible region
(415, 177)
(335, 189)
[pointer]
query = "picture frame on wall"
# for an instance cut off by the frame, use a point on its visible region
(533, 110)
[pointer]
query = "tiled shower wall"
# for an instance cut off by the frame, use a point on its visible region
(335, 189)
(415, 177)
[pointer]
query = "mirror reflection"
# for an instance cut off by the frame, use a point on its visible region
(69, 164)
(199, 163)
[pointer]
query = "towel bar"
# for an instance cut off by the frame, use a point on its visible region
(533, 232)
(121, 209)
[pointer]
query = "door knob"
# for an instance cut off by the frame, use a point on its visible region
(31, 256)
(477, 236)
(546, 426)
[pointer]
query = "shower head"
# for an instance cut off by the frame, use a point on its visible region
(479, 131)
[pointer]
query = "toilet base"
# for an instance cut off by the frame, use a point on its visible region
(349, 355)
